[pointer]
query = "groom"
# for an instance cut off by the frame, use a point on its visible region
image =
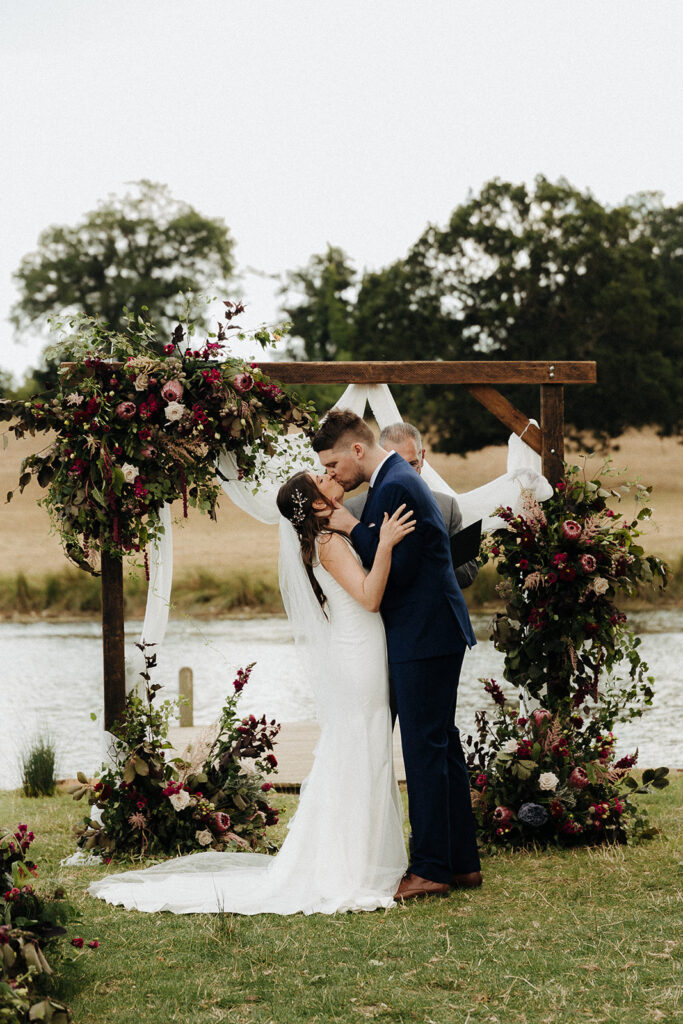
(428, 629)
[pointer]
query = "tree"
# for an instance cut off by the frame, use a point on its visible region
(137, 253)
(536, 273)
(318, 300)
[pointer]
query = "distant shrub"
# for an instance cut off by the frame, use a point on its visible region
(38, 768)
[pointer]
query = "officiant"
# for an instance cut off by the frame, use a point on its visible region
(404, 439)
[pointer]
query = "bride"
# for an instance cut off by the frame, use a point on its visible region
(344, 849)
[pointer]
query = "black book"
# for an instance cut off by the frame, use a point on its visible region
(465, 544)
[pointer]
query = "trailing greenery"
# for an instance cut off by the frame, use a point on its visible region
(134, 436)
(551, 776)
(581, 936)
(38, 768)
(149, 804)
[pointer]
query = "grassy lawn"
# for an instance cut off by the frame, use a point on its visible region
(587, 935)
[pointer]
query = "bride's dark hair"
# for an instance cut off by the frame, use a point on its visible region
(295, 502)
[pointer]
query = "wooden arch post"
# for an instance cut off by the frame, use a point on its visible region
(477, 377)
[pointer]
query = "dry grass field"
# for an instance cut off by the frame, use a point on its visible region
(237, 543)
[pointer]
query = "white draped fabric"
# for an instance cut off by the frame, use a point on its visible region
(523, 474)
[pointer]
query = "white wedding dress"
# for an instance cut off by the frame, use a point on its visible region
(344, 849)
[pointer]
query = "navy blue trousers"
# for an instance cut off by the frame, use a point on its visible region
(439, 805)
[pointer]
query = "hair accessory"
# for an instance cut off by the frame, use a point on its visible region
(299, 514)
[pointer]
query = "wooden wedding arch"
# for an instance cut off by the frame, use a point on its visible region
(479, 378)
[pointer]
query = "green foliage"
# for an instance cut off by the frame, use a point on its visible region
(551, 777)
(31, 923)
(38, 768)
(152, 805)
(133, 436)
(133, 254)
(525, 273)
(562, 566)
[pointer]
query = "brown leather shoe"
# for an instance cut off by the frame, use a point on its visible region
(470, 881)
(413, 887)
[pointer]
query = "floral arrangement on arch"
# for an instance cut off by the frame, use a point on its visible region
(132, 435)
(552, 776)
(149, 804)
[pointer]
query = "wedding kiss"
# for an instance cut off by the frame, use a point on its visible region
(376, 603)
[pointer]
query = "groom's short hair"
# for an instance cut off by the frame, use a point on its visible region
(342, 425)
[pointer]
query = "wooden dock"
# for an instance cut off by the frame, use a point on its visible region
(293, 749)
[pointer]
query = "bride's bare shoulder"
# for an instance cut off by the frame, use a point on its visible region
(330, 545)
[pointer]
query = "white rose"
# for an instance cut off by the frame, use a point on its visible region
(547, 780)
(174, 411)
(204, 838)
(180, 800)
(509, 747)
(600, 585)
(130, 473)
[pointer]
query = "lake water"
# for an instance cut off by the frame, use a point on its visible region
(51, 680)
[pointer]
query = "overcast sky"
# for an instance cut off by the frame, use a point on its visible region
(303, 122)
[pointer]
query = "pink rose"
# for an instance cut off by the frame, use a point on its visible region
(125, 410)
(172, 391)
(243, 382)
(570, 529)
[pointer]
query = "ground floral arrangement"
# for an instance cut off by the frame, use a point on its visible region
(31, 929)
(134, 435)
(551, 776)
(149, 804)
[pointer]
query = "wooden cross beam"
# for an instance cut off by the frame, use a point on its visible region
(478, 377)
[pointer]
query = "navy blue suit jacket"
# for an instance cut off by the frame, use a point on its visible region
(424, 612)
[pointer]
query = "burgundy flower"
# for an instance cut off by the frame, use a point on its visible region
(556, 808)
(570, 529)
(481, 780)
(169, 349)
(243, 382)
(221, 822)
(567, 573)
(523, 563)
(588, 563)
(94, 944)
(551, 577)
(560, 558)
(267, 786)
(578, 779)
(591, 628)
(126, 410)
(272, 760)
(503, 816)
(77, 942)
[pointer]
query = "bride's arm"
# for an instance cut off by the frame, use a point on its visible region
(336, 556)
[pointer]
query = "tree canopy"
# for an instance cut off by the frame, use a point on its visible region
(542, 272)
(136, 252)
